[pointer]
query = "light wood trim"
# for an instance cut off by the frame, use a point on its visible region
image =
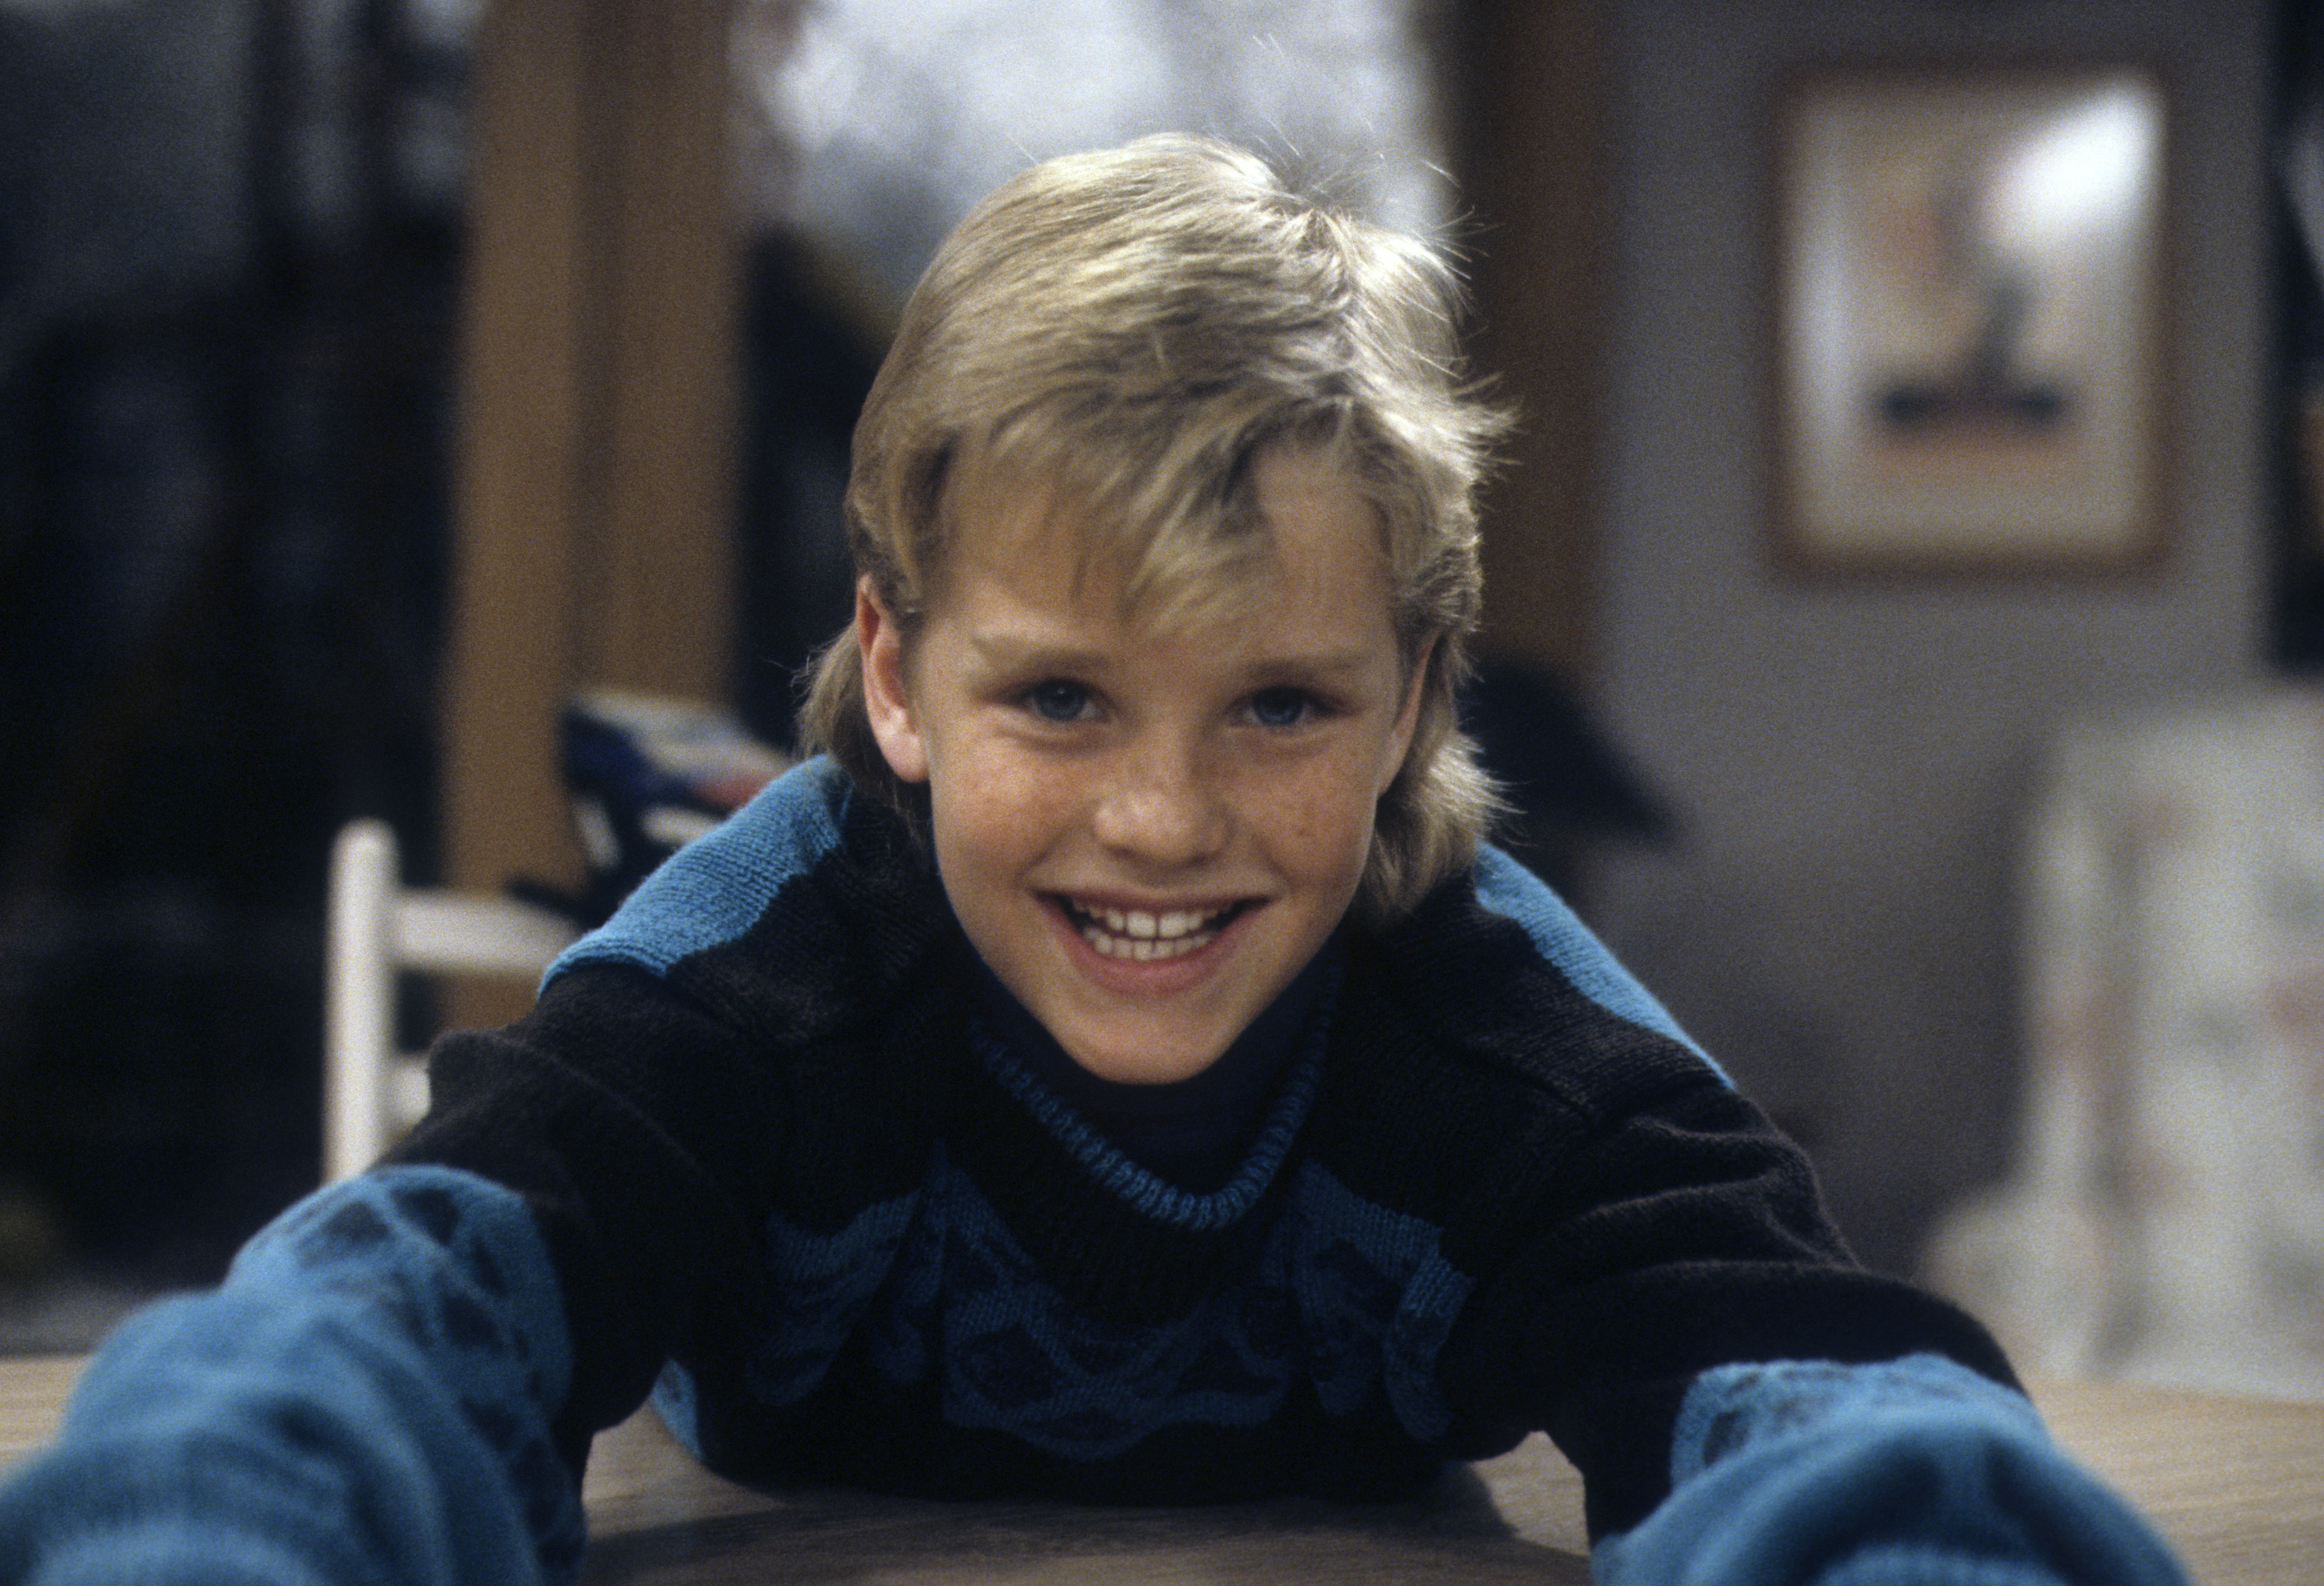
(661, 617)
(1529, 81)
(597, 381)
(526, 373)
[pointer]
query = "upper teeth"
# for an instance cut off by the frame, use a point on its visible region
(1137, 932)
(1138, 922)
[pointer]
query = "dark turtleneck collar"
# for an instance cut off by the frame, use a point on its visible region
(1193, 1132)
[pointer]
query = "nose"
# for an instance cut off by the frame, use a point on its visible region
(1161, 807)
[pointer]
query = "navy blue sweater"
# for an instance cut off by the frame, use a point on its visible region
(758, 1150)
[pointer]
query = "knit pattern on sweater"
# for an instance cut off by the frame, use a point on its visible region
(1494, 1195)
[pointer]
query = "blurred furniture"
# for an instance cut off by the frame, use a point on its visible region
(379, 927)
(2165, 1219)
(2238, 1485)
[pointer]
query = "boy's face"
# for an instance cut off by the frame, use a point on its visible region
(1148, 832)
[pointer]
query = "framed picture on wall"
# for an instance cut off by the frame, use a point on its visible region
(1969, 318)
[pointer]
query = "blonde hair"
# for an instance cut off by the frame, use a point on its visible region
(1135, 326)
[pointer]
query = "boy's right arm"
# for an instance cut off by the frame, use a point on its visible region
(366, 1398)
(398, 1380)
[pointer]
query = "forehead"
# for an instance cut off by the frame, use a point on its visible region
(1294, 524)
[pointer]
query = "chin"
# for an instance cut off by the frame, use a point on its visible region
(1126, 1059)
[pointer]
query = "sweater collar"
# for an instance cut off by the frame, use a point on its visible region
(1192, 1133)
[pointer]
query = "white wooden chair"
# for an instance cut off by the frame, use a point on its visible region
(372, 1092)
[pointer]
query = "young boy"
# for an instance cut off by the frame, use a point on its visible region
(1118, 1069)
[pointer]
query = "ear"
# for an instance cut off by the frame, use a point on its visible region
(1407, 719)
(887, 699)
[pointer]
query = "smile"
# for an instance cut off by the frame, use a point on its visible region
(1145, 936)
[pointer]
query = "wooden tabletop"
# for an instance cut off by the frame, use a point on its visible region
(2237, 1484)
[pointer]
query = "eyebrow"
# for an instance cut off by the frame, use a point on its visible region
(1009, 654)
(1012, 654)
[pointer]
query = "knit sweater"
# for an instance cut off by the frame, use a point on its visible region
(757, 1151)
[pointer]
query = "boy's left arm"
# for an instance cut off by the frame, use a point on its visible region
(1911, 1472)
(1669, 1301)
(1747, 1405)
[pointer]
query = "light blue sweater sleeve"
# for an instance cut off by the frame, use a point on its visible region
(367, 1398)
(1913, 1472)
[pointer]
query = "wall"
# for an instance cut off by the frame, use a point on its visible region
(1851, 759)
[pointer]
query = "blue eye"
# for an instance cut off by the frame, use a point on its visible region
(1282, 707)
(1055, 699)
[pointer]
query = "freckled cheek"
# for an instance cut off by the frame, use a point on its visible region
(995, 813)
(1319, 822)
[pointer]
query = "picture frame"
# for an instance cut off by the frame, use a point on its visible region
(1969, 318)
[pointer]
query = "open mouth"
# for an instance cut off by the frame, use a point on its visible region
(1145, 936)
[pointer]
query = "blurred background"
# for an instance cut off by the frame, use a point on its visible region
(375, 372)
